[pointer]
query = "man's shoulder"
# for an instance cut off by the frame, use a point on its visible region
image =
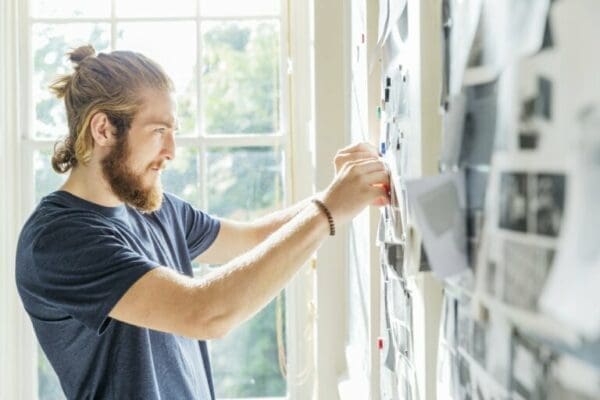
(173, 204)
(54, 215)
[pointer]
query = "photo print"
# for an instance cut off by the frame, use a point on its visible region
(513, 201)
(532, 202)
(526, 269)
(528, 370)
(548, 204)
(464, 389)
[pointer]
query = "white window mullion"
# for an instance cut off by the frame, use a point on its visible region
(113, 25)
(240, 17)
(22, 351)
(203, 175)
(284, 102)
(301, 314)
(242, 140)
(107, 20)
(203, 165)
(199, 119)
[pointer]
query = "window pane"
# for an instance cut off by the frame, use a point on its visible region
(70, 8)
(156, 40)
(245, 363)
(240, 77)
(236, 7)
(171, 8)
(48, 384)
(181, 176)
(50, 43)
(245, 183)
(46, 179)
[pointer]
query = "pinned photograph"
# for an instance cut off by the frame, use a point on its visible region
(528, 370)
(548, 205)
(479, 343)
(526, 269)
(464, 378)
(513, 201)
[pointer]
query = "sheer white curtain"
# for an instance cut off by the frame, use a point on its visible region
(17, 350)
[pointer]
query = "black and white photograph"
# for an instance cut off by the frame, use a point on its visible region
(528, 370)
(464, 328)
(479, 129)
(464, 378)
(479, 343)
(491, 277)
(513, 201)
(525, 271)
(548, 204)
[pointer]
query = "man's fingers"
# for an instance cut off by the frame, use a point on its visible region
(344, 158)
(381, 201)
(380, 195)
(361, 147)
(367, 166)
(377, 178)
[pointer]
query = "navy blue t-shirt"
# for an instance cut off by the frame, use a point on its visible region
(75, 260)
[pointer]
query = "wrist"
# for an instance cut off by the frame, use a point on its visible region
(324, 209)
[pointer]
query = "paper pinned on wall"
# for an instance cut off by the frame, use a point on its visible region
(453, 122)
(389, 14)
(571, 294)
(508, 30)
(382, 21)
(438, 205)
(465, 17)
(527, 25)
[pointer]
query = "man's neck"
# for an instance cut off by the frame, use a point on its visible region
(89, 184)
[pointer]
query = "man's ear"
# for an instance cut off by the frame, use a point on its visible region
(102, 130)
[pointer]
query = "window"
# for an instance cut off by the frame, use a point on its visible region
(226, 58)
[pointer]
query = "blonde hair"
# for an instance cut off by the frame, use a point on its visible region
(108, 82)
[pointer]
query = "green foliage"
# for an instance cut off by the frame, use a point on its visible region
(248, 364)
(245, 182)
(49, 60)
(241, 78)
(48, 385)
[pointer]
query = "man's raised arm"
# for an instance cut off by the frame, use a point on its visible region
(208, 307)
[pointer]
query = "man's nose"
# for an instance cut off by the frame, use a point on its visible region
(169, 146)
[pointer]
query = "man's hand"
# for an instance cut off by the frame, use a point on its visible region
(362, 151)
(355, 152)
(358, 184)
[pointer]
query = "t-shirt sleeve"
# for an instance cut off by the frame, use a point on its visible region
(84, 268)
(201, 229)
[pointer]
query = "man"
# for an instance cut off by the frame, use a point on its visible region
(104, 263)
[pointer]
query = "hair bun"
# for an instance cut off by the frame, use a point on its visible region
(80, 53)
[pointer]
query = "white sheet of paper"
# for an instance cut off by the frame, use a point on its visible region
(389, 14)
(382, 21)
(577, 375)
(465, 16)
(572, 292)
(526, 25)
(511, 29)
(397, 208)
(438, 205)
(453, 122)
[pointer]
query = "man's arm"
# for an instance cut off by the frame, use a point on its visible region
(236, 238)
(209, 307)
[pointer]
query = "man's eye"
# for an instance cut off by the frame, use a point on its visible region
(160, 131)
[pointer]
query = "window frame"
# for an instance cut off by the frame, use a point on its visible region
(18, 368)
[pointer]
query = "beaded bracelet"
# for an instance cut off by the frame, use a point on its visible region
(324, 208)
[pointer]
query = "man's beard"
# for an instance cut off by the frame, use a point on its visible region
(126, 184)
